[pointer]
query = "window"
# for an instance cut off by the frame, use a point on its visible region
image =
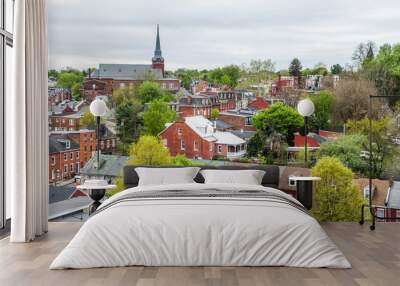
(65, 168)
(53, 160)
(71, 155)
(179, 131)
(196, 146)
(65, 156)
(71, 122)
(183, 144)
(219, 149)
(77, 155)
(71, 167)
(6, 43)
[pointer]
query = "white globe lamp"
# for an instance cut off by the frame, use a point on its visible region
(306, 108)
(98, 108)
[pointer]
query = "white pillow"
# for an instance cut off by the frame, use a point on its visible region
(247, 177)
(166, 176)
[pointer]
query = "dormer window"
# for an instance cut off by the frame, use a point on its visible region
(67, 144)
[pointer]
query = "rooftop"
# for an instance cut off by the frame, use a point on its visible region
(204, 128)
(111, 166)
(61, 143)
(127, 72)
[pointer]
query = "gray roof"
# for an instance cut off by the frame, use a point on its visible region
(223, 125)
(57, 143)
(111, 166)
(67, 207)
(239, 112)
(243, 134)
(60, 193)
(394, 196)
(127, 72)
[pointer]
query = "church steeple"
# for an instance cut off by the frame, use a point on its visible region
(158, 60)
(157, 51)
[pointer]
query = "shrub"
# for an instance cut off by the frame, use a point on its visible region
(336, 198)
(149, 151)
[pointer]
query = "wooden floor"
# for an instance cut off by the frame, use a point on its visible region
(375, 257)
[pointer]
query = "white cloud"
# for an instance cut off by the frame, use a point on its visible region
(205, 34)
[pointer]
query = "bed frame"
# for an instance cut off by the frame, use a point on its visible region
(270, 179)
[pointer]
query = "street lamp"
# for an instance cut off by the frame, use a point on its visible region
(306, 108)
(98, 108)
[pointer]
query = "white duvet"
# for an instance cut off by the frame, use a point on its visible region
(200, 231)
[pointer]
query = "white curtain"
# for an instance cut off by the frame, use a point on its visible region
(27, 127)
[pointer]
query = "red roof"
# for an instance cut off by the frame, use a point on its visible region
(258, 103)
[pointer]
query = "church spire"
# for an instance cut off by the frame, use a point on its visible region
(157, 51)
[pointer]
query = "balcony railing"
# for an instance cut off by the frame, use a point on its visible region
(237, 154)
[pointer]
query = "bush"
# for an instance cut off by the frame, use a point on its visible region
(149, 151)
(336, 198)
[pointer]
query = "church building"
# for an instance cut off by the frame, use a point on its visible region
(109, 77)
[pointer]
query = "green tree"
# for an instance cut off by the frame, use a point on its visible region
(119, 95)
(214, 114)
(52, 73)
(76, 91)
(128, 119)
(323, 102)
(149, 91)
(228, 75)
(382, 148)
(256, 145)
(384, 70)
(347, 149)
(155, 118)
(295, 67)
(336, 198)
(279, 118)
(149, 151)
(88, 120)
(71, 80)
(336, 69)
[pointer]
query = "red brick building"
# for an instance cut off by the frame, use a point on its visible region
(196, 138)
(66, 116)
(64, 158)
(84, 141)
(240, 119)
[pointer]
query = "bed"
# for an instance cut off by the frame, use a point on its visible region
(201, 224)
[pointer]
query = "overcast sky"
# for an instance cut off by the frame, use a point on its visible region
(209, 33)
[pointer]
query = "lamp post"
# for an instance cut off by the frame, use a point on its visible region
(98, 108)
(306, 108)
